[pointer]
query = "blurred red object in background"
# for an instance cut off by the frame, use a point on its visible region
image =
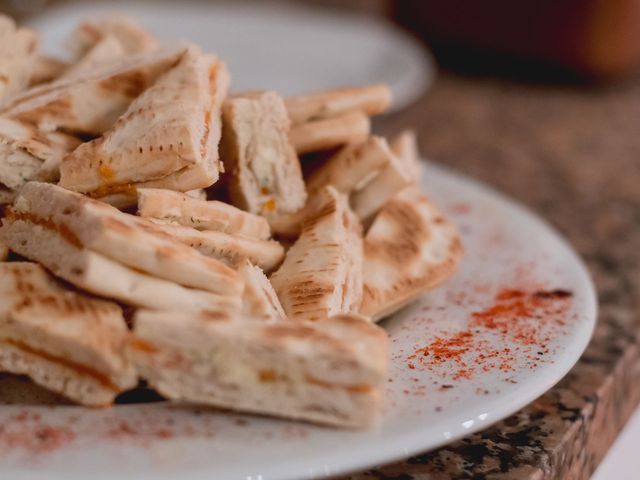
(596, 39)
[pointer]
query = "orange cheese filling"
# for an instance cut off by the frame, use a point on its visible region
(127, 189)
(142, 345)
(269, 205)
(106, 173)
(64, 231)
(78, 368)
(268, 375)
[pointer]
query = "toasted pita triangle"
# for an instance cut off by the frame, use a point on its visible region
(201, 175)
(18, 52)
(91, 101)
(16, 166)
(330, 372)
(47, 146)
(370, 100)
(264, 171)
(230, 249)
(405, 147)
(390, 180)
(132, 37)
(46, 69)
(348, 171)
(321, 275)
(65, 341)
(172, 126)
(130, 240)
(24, 145)
(352, 167)
(330, 133)
(409, 249)
(200, 214)
(103, 276)
(259, 299)
(107, 50)
(126, 195)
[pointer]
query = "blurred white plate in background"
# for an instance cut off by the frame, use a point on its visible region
(289, 49)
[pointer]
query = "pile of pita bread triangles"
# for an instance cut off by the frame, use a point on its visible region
(253, 240)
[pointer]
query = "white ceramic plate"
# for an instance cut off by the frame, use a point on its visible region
(507, 249)
(285, 48)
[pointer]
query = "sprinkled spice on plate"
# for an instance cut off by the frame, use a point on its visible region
(25, 432)
(517, 317)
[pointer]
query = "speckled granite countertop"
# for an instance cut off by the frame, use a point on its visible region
(572, 155)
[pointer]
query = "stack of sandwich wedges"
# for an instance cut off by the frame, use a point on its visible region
(252, 240)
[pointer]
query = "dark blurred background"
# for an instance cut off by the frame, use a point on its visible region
(583, 40)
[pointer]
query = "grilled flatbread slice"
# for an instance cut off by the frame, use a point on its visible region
(92, 101)
(405, 147)
(127, 239)
(126, 195)
(409, 249)
(28, 154)
(330, 133)
(173, 126)
(331, 372)
(103, 276)
(264, 171)
(352, 167)
(200, 214)
(370, 100)
(16, 166)
(228, 248)
(201, 175)
(65, 341)
(321, 275)
(46, 69)
(348, 171)
(259, 299)
(132, 37)
(47, 146)
(105, 51)
(390, 180)
(18, 51)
